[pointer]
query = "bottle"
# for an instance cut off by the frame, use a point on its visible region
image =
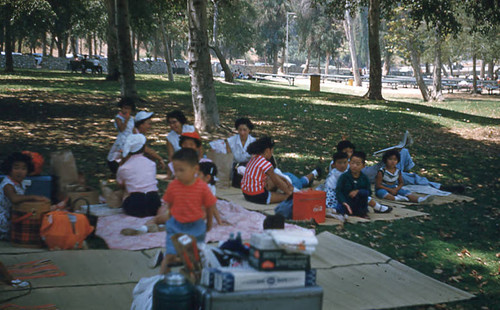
(173, 293)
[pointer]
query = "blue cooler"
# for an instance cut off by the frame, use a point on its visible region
(40, 185)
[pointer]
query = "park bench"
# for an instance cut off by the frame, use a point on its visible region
(490, 88)
(84, 65)
(289, 78)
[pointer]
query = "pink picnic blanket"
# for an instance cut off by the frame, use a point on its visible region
(240, 220)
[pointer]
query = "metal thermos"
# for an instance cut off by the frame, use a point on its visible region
(173, 293)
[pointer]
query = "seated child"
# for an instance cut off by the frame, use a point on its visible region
(190, 140)
(353, 188)
(16, 167)
(340, 166)
(347, 147)
(389, 181)
(189, 201)
(208, 172)
(258, 169)
(137, 174)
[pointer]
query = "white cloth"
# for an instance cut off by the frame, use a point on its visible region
(143, 293)
(173, 137)
(6, 205)
(294, 241)
(426, 189)
(219, 146)
(239, 150)
(138, 175)
(116, 150)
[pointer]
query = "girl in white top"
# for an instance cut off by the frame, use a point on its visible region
(124, 123)
(239, 143)
(177, 121)
(16, 167)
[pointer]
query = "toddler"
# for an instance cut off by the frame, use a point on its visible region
(189, 201)
(16, 167)
(389, 181)
(124, 123)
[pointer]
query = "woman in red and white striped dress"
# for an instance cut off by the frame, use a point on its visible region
(258, 169)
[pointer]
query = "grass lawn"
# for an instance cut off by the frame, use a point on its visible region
(456, 141)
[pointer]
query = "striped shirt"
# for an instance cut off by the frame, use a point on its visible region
(188, 202)
(388, 177)
(255, 175)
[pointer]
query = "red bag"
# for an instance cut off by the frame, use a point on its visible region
(308, 205)
(65, 230)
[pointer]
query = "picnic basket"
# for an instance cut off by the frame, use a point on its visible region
(26, 222)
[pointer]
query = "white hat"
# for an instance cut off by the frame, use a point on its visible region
(133, 143)
(142, 115)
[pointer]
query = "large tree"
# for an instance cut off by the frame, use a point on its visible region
(125, 56)
(202, 83)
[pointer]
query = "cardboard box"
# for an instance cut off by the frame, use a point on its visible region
(239, 279)
(269, 260)
(308, 205)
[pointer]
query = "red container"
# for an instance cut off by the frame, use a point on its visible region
(308, 205)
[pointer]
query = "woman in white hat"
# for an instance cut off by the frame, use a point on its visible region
(137, 174)
(142, 126)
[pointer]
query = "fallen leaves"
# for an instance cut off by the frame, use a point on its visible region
(464, 253)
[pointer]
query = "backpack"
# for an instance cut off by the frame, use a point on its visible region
(65, 230)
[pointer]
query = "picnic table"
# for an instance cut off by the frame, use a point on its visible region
(84, 65)
(259, 76)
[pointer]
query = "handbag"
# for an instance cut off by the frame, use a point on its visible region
(65, 230)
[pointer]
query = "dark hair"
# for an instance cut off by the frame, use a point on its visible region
(339, 155)
(276, 221)
(127, 102)
(259, 146)
(8, 163)
(243, 121)
(186, 155)
(184, 138)
(209, 168)
(389, 154)
(178, 115)
(342, 145)
(359, 154)
(139, 123)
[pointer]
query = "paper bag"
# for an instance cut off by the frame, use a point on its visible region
(224, 163)
(88, 194)
(113, 198)
(63, 166)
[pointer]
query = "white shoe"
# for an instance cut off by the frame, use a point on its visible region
(401, 198)
(382, 208)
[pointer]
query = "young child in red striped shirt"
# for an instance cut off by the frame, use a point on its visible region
(258, 169)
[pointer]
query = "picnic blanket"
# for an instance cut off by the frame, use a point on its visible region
(241, 220)
(234, 195)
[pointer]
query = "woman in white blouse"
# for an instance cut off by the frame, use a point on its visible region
(177, 122)
(238, 144)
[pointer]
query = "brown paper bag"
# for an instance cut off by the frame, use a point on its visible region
(113, 197)
(224, 163)
(63, 166)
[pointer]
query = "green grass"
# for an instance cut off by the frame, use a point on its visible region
(456, 141)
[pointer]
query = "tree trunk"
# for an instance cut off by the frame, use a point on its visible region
(73, 46)
(156, 46)
(125, 55)
(202, 83)
(308, 61)
(417, 73)
(483, 68)
(138, 48)
(228, 75)
(474, 72)
(9, 61)
(427, 69)
(44, 44)
(20, 45)
(437, 89)
(387, 62)
(491, 64)
(450, 64)
(375, 88)
(95, 44)
(51, 46)
(89, 45)
(282, 61)
(327, 62)
(445, 73)
(166, 51)
(349, 33)
(275, 61)
(112, 41)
